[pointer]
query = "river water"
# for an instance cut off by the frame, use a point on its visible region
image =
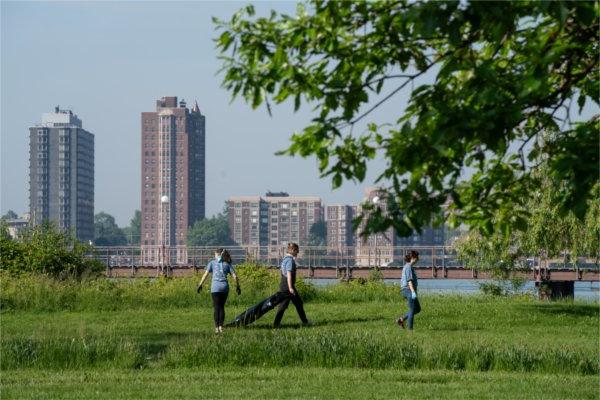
(587, 291)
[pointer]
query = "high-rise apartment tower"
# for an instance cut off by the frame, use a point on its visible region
(61, 173)
(173, 176)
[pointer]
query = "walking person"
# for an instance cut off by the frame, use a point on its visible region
(408, 284)
(220, 267)
(287, 287)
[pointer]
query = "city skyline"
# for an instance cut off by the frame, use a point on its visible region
(107, 60)
(116, 74)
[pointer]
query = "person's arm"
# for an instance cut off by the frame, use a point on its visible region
(290, 284)
(238, 290)
(411, 286)
(199, 288)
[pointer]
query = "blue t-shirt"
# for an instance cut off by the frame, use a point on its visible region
(219, 271)
(408, 274)
(288, 264)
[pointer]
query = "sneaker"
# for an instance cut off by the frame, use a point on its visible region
(220, 329)
(400, 321)
(307, 323)
(216, 330)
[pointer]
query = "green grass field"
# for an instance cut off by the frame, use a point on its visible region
(462, 347)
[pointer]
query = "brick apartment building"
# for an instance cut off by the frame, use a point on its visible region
(379, 249)
(273, 220)
(173, 177)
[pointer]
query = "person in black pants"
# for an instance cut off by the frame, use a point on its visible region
(287, 287)
(220, 267)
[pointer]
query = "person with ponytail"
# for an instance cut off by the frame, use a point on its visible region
(409, 285)
(220, 267)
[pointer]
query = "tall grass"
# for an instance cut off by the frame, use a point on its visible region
(33, 292)
(282, 349)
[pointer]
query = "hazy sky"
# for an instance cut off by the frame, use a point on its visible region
(110, 61)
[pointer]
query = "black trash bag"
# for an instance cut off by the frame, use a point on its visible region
(258, 310)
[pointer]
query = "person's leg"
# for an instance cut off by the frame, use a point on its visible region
(297, 300)
(223, 300)
(406, 295)
(280, 311)
(410, 316)
(215, 300)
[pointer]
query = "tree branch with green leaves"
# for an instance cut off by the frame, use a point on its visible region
(502, 71)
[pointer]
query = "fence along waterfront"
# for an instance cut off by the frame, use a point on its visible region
(333, 262)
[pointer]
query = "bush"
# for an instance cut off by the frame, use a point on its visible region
(47, 250)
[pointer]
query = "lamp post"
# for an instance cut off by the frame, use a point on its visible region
(375, 201)
(164, 203)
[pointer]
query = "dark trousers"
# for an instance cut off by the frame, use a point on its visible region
(219, 299)
(296, 300)
(414, 307)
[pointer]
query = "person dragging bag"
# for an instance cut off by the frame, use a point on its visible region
(287, 287)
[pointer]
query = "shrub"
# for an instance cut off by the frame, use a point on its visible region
(47, 250)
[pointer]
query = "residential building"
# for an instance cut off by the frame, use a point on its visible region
(16, 225)
(173, 178)
(376, 249)
(61, 173)
(339, 226)
(274, 219)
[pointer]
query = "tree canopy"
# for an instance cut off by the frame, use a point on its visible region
(548, 235)
(10, 214)
(212, 231)
(317, 235)
(133, 232)
(506, 75)
(107, 232)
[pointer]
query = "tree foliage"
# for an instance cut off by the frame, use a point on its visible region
(45, 249)
(548, 235)
(107, 232)
(133, 232)
(10, 214)
(506, 75)
(317, 235)
(212, 231)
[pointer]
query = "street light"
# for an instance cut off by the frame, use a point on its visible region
(164, 200)
(375, 201)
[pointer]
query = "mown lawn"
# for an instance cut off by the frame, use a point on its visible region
(462, 347)
(292, 383)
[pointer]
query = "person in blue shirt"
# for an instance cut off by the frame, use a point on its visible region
(287, 287)
(220, 267)
(409, 284)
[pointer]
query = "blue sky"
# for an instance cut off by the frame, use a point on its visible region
(110, 61)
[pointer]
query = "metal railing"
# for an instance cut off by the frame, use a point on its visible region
(309, 256)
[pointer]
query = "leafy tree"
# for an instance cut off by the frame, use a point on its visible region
(318, 234)
(106, 231)
(212, 231)
(548, 235)
(133, 232)
(506, 74)
(10, 215)
(48, 250)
